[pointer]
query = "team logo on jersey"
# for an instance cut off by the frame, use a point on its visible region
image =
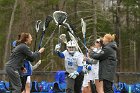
(70, 63)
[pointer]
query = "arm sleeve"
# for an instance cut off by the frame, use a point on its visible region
(60, 54)
(89, 61)
(35, 66)
(31, 56)
(80, 60)
(79, 63)
(79, 69)
(100, 56)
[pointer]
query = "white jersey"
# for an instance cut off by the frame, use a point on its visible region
(94, 73)
(86, 75)
(72, 62)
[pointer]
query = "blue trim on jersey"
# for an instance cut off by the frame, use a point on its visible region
(28, 68)
(14, 43)
(79, 69)
(60, 54)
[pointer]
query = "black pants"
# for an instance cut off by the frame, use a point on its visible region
(14, 78)
(23, 81)
(108, 86)
(74, 85)
(78, 83)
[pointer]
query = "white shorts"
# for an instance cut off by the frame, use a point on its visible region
(86, 80)
(28, 79)
(94, 73)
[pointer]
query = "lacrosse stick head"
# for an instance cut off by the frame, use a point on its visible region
(63, 38)
(60, 17)
(43, 27)
(46, 23)
(83, 24)
(48, 20)
(37, 26)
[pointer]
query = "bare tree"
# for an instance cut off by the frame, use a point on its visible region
(94, 2)
(7, 44)
(118, 35)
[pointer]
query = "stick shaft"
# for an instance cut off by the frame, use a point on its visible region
(71, 31)
(50, 37)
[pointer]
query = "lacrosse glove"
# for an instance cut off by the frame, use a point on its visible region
(88, 67)
(73, 75)
(57, 47)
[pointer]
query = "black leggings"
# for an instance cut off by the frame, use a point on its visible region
(23, 81)
(78, 83)
(75, 85)
(108, 86)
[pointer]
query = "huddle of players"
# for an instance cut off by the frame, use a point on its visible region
(98, 66)
(101, 56)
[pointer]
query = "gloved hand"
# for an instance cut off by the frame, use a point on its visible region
(73, 75)
(88, 67)
(57, 47)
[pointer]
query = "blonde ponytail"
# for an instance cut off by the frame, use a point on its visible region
(113, 37)
(110, 37)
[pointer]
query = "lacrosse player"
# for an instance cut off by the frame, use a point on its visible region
(94, 73)
(73, 66)
(86, 69)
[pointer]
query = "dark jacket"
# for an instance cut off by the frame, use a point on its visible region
(19, 53)
(107, 61)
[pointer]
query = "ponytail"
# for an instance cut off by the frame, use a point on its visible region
(113, 37)
(110, 37)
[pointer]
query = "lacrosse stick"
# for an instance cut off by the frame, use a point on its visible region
(83, 24)
(37, 26)
(60, 17)
(50, 37)
(45, 25)
(72, 33)
(62, 37)
(74, 39)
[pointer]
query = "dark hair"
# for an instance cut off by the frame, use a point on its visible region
(100, 41)
(22, 38)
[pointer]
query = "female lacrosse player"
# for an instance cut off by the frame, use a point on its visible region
(16, 60)
(107, 62)
(93, 73)
(73, 66)
(86, 69)
(26, 76)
